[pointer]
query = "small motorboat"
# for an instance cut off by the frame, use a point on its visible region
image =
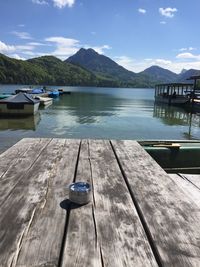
(44, 101)
(53, 93)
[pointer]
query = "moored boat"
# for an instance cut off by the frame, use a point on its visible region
(44, 101)
(2, 96)
(20, 104)
(172, 93)
(175, 156)
(53, 93)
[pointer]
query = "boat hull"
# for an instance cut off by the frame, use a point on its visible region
(172, 101)
(175, 157)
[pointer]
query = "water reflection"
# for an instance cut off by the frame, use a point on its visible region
(88, 108)
(172, 115)
(22, 123)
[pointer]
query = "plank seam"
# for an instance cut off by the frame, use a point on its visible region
(90, 164)
(140, 214)
(101, 254)
(185, 178)
(60, 259)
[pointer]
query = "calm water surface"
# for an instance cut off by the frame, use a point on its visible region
(108, 113)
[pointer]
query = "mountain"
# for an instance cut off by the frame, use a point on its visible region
(85, 68)
(63, 73)
(183, 71)
(183, 76)
(106, 68)
(101, 65)
(159, 74)
(47, 70)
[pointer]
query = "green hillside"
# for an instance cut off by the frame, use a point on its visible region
(47, 70)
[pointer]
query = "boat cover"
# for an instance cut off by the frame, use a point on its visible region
(37, 91)
(20, 98)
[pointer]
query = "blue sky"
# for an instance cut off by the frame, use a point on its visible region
(134, 33)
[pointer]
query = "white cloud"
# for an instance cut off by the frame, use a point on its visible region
(24, 47)
(98, 49)
(22, 35)
(187, 49)
(15, 51)
(188, 55)
(4, 48)
(36, 44)
(16, 56)
(167, 12)
(65, 47)
(63, 3)
(174, 65)
(163, 22)
(40, 2)
(141, 10)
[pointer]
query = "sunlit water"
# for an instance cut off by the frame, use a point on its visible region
(108, 113)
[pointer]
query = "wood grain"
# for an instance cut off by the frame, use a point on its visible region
(120, 234)
(170, 216)
(192, 191)
(43, 243)
(81, 247)
(23, 206)
(16, 162)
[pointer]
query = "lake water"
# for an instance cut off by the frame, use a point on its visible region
(108, 113)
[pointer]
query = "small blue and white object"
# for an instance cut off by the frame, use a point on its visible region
(80, 192)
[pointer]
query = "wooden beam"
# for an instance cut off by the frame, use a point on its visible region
(106, 232)
(170, 217)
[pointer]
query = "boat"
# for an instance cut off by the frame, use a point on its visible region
(2, 96)
(20, 104)
(53, 93)
(44, 101)
(23, 90)
(32, 91)
(172, 93)
(175, 156)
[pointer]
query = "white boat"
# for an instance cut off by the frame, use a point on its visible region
(172, 93)
(20, 104)
(44, 101)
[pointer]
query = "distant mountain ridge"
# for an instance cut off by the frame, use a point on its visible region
(85, 68)
(161, 75)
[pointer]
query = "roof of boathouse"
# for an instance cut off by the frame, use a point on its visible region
(174, 84)
(20, 98)
(195, 77)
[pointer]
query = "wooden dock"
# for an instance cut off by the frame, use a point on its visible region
(139, 215)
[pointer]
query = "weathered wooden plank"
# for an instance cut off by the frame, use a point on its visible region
(192, 191)
(42, 245)
(16, 162)
(193, 178)
(120, 235)
(27, 197)
(13, 154)
(81, 248)
(170, 217)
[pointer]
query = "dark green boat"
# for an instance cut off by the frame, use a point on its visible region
(176, 156)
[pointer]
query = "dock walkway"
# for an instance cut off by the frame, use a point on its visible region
(139, 215)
